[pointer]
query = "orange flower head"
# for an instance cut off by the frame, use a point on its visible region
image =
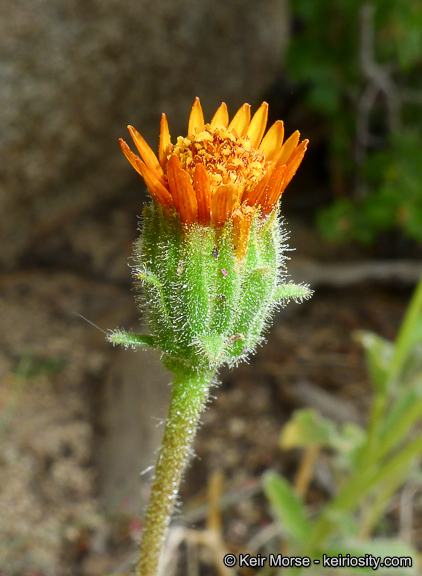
(220, 170)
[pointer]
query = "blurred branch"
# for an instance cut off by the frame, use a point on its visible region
(378, 81)
(377, 76)
(317, 273)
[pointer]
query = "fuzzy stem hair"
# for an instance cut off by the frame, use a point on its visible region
(190, 393)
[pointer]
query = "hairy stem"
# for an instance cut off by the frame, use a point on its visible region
(190, 392)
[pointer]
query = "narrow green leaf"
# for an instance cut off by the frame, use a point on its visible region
(402, 415)
(288, 508)
(379, 353)
(290, 291)
(407, 334)
(129, 339)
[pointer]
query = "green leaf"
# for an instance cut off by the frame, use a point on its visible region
(290, 291)
(129, 339)
(307, 428)
(408, 334)
(379, 354)
(348, 444)
(288, 508)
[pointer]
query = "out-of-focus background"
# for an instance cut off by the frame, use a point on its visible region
(78, 419)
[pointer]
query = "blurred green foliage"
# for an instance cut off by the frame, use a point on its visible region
(368, 464)
(361, 66)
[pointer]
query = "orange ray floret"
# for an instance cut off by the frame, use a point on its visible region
(154, 185)
(241, 120)
(257, 126)
(288, 148)
(221, 117)
(196, 118)
(182, 191)
(273, 192)
(252, 198)
(295, 161)
(165, 141)
(220, 170)
(273, 140)
(147, 154)
(242, 222)
(223, 203)
(202, 186)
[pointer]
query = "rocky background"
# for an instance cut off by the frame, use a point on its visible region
(74, 73)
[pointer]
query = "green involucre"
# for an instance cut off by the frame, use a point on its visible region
(206, 306)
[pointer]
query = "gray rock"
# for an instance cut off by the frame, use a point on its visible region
(134, 402)
(74, 73)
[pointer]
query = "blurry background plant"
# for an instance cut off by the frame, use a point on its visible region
(359, 65)
(369, 465)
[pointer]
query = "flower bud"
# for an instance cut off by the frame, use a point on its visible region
(210, 260)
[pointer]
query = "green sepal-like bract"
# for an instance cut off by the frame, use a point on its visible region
(129, 339)
(206, 304)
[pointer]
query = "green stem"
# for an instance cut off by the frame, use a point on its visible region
(190, 392)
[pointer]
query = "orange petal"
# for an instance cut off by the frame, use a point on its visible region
(182, 191)
(287, 148)
(202, 186)
(258, 124)
(158, 191)
(240, 122)
(295, 161)
(147, 154)
(165, 141)
(196, 118)
(273, 191)
(273, 140)
(250, 198)
(242, 222)
(133, 159)
(223, 203)
(221, 117)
